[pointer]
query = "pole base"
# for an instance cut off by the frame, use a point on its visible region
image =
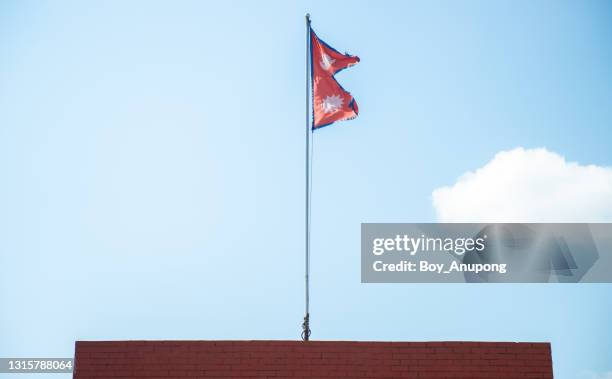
(306, 328)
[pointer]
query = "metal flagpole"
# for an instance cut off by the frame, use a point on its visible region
(306, 324)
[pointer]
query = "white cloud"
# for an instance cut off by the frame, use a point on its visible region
(528, 185)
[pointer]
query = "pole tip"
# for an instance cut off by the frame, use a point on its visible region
(307, 16)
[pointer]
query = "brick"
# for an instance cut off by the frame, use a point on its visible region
(314, 359)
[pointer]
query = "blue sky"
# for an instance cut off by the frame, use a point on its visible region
(151, 158)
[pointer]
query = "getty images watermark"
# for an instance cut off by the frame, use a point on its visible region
(411, 246)
(486, 253)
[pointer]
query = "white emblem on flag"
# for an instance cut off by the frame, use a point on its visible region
(331, 103)
(326, 61)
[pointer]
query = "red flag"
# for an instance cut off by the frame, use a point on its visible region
(331, 102)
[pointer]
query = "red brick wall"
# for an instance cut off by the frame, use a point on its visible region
(314, 359)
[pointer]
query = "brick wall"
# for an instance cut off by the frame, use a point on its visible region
(314, 359)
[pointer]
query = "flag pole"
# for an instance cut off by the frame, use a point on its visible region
(306, 323)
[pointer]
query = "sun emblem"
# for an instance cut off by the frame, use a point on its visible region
(326, 61)
(331, 103)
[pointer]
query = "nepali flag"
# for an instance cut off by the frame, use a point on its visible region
(331, 102)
